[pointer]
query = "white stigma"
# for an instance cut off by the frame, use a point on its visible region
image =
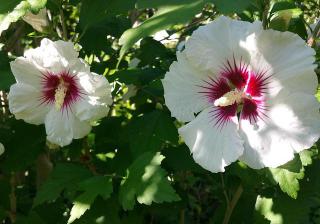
(60, 94)
(229, 98)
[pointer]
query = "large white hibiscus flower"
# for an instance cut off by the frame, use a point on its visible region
(247, 94)
(56, 88)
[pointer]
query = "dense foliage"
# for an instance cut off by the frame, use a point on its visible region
(133, 167)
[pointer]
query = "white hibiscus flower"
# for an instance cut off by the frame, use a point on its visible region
(56, 88)
(247, 94)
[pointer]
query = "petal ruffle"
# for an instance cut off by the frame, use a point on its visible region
(25, 103)
(292, 125)
(182, 89)
(213, 148)
(53, 56)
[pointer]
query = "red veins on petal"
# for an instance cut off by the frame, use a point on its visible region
(237, 76)
(50, 83)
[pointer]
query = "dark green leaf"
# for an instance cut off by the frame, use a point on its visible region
(65, 175)
(232, 6)
(150, 132)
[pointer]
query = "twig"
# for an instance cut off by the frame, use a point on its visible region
(182, 216)
(44, 168)
(232, 204)
(224, 190)
(13, 199)
(265, 14)
(315, 34)
(63, 24)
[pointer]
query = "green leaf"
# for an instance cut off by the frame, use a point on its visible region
(92, 188)
(232, 6)
(280, 20)
(20, 142)
(305, 209)
(137, 76)
(147, 182)
(6, 18)
(64, 176)
(287, 176)
(6, 77)
(151, 131)
(95, 11)
(306, 156)
(167, 15)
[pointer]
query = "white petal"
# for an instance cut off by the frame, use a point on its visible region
(62, 127)
(24, 103)
(181, 89)
(80, 128)
(26, 72)
(286, 57)
(292, 125)
(97, 98)
(53, 56)
(213, 148)
(211, 45)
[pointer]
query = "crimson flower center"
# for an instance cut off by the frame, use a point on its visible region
(61, 89)
(237, 91)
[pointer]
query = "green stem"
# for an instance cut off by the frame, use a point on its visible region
(232, 204)
(315, 34)
(265, 15)
(63, 24)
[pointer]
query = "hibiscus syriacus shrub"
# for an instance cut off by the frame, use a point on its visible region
(160, 111)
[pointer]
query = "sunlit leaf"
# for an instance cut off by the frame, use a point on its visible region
(92, 188)
(166, 16)
(8, 17)
(146, 181)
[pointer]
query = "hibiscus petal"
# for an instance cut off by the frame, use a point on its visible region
(26, 72)
(210, 45)
(292, 125)
(286, 57)
(62, 127)
(24, 103)
(182, 89)
(213, 148)
(96, 98)
(53, 56)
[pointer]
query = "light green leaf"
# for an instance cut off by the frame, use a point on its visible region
(92, 188)
(8, 17)
(281, 209)
(167, 15)
(287, 176)
(318, 94)
(280, 20)
(64, 176)
(147, 182)
(306, 156)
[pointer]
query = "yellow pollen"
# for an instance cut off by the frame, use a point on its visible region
(229, 98)
(60, 94)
